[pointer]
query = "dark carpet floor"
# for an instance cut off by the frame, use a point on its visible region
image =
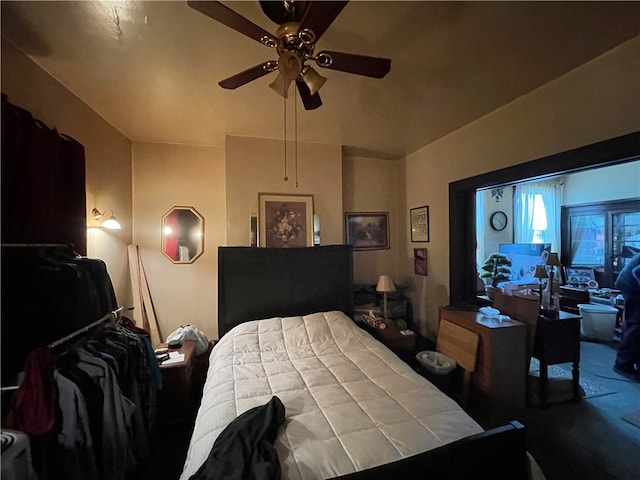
(589, 439)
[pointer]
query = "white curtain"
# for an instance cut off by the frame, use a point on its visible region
(537, 213)
(480, 223)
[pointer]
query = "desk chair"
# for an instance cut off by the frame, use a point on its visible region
(549, 341)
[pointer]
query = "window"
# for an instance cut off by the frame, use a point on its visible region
(587, 240)
(601, 236)
(537, 213)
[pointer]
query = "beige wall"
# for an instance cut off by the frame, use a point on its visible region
(107, 153)
(612, 183)
(371, 185)
(257, 165)
(493, 238)
(165, 176)
(597, 101)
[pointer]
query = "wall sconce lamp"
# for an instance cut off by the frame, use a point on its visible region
(107, 219)
(385, 284)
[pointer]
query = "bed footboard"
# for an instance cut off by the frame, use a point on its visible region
(496, 453)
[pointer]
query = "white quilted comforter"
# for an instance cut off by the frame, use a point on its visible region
(351, 403)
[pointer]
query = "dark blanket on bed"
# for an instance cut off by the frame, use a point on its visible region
(244, 449)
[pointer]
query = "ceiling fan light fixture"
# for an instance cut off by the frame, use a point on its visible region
(301, 24)
(281, 85)
(312, 79)
(290, 65)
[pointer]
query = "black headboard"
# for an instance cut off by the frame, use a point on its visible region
(256, 283)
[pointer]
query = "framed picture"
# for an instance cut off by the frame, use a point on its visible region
(579, 277)
(367, 231)
(285, 220)
(419, 218)
(420, 261)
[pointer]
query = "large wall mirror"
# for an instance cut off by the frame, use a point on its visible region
(182, 234)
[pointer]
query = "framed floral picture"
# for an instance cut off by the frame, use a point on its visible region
(285, 220)
(367, 231)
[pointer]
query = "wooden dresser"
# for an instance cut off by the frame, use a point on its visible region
(499, 382)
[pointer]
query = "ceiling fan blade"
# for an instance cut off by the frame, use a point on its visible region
(231, 19)
(319, 15)
(247, 76)
(358, 64)
(310, 102)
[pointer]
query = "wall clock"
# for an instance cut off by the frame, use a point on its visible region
(498, 220)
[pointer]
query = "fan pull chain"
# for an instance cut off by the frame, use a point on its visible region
(295, 131)
(284, 102)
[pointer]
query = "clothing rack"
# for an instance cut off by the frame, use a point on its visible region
(114, 316)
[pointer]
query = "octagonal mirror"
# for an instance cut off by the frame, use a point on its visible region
(182, 234)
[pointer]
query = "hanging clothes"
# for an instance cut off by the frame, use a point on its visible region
(73, 455)
(89, 421)
(33, 406)
(117, 411)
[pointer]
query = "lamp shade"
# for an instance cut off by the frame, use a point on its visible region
(313, 79)
(281, 85)
(541, 272)
(111, 223)
(107, 219)
(385, 284)
(552, 259)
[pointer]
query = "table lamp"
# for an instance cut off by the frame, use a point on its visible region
(385, 284)
(552, 261)
(540, 273)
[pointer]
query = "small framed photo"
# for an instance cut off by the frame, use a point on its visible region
(285, 220)
(420, 262)
(367, 231)
(419, 219)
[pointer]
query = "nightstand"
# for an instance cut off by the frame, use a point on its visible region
(396, 341)
(175, 400)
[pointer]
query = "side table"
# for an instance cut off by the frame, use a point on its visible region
(175, 400)
(558, 341)
(401, 345)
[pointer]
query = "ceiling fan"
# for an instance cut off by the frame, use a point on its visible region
(301, 24)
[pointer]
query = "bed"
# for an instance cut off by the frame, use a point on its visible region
(353, 408)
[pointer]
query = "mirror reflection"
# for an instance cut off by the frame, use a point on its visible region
(182, 234)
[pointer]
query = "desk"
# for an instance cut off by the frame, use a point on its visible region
(558, 341)
(499, 381)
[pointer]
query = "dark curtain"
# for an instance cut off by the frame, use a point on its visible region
(43, 183)
(48, 291)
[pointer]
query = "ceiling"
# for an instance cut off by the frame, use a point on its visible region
(151, 68)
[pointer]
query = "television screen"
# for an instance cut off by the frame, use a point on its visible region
(524, 258)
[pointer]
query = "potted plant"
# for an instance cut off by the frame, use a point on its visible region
(495, 269)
